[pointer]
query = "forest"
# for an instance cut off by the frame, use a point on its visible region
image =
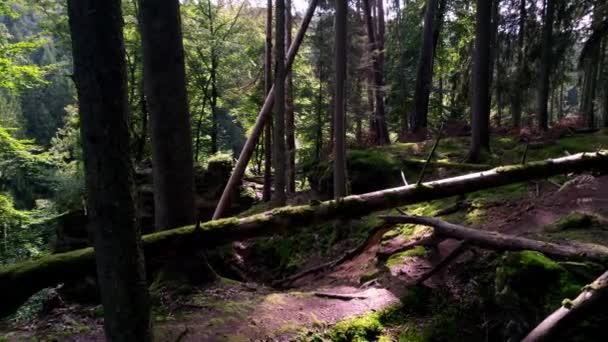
(303, 170)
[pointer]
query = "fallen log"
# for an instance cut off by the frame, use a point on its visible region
(594, 295)
(19, 281)
(495, 240)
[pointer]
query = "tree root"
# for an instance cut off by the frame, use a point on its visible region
(331, 264)
(461, 248)
(341, 296)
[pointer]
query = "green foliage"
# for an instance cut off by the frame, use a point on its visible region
(576, 220)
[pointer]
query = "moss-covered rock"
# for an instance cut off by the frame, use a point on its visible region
(576, 220)
(368, 327)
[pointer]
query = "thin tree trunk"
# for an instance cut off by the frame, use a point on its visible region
(101, 81)
(517, 97)
(480, 104)
(165, 84)
(424, 77)
(340, 25)
(289, 110)
(319, 134)
(278, 156)
(545, 65)
(267, 190)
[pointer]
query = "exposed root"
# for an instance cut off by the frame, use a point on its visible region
(331, 264)
(341, 296)
(461, 248)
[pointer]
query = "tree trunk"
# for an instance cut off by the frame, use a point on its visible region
(319, 133)
(593, 296)
(545, 65)
(340, 25)
(278, 151)
(165, 83)
(378, 126)
(480, 105)
(517, 91)
(267, 190)
(19, 281)
(101, 81)
(289, 111)
(249, 148)
(424, 77)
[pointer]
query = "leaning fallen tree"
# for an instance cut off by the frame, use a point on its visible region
(593, 296)
(19, 281)
(504, 242)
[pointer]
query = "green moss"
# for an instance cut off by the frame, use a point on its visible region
(301, 212)
(398, 258)
(368, 327)
(576, 220)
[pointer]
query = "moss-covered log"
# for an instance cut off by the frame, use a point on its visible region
(495, 240)
(593, 296)
(19, 281)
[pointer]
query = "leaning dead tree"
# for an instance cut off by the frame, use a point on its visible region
(593, 296)
(249, 147)
(19, 281)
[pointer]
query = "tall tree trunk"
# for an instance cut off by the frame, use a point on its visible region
(480, 104)
(591, 59)
(340, 99)
(378, 126)
(101, 81)
(424, 77)
(165, 83)
(289, 110)
(516, 100)
(267, 190)
(545, 65)
(279, 197)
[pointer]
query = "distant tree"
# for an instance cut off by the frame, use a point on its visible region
(165, 87)
(267, 190)
(425, 68)
(290, 129)
(101, 81)
(517, 91)
(340, 26)
(279, 159)
(480, 100)
(545, 65)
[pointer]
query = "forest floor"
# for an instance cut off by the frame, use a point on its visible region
(312, 306)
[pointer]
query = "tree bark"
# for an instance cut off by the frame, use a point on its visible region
(19, 281)
(340, 25)
(495, 240)
(545, 65)
(278, 151)
(289, 111)
(593, 296)
(101, 81)
(267, 190)
(424, 77)
(249, 148)
(480, 105)
(165, 85)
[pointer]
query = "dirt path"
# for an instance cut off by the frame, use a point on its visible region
(233, 311)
